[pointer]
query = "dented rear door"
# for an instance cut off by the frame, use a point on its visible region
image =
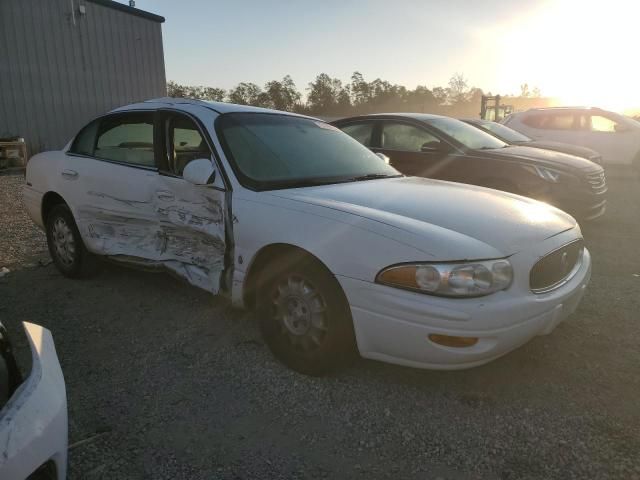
(110, 186)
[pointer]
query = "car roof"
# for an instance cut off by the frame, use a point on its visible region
(477, 121)
(409, 115)
(218, 107)
(560, 109)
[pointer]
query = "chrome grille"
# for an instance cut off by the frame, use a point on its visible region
(556, 268)
(597, 181)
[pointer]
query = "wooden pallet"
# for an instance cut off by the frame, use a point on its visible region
(13, 154)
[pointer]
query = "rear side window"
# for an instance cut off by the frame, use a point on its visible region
(602, 124)
(127, 138)
(362, 132)
(85, 140)
(555, 121)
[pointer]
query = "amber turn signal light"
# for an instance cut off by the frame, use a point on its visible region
(450, 341)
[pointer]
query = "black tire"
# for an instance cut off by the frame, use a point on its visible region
(307, 324)
(66, 246)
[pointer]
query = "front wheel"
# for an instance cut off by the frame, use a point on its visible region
(65, 244)
(305, 318)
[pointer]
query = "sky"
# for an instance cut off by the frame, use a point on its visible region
(582, 51)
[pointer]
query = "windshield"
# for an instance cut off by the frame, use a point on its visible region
(505, 133)
(471, 137)
(271, 151)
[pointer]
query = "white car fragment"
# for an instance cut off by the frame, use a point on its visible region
(331, 245)
(33, 423)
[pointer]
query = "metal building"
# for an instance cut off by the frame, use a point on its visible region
(63, 62)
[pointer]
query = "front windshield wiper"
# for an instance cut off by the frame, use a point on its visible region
(373, 176)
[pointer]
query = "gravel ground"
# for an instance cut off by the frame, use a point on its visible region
(166, 382)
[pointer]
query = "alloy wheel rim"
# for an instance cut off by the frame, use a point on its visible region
(63, 241)
(301, 313)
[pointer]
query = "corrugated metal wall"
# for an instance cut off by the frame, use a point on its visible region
(59, 69)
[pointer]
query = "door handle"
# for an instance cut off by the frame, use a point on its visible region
(69, 174)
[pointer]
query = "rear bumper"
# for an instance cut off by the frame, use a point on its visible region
(33, 425)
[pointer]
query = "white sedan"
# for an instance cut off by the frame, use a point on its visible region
(334, 248)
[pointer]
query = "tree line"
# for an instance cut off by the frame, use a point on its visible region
(327, 96)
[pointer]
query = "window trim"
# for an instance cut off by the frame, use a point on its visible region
(574, 124)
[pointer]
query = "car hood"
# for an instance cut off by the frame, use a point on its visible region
(539, 156)
(504, 221)
(576, 150)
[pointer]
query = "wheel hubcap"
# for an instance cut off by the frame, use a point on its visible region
(301, 312)
(63, 241)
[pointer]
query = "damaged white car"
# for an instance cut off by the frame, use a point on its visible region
(333, 247)
(33, 411)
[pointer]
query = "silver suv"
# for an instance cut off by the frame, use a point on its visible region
(614, 136)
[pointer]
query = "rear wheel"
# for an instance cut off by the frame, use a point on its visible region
(65, 244)
(305, 318)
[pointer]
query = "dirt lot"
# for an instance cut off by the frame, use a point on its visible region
(166, 382)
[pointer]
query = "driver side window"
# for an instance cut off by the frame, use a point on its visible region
(185, 143)
(408, 138)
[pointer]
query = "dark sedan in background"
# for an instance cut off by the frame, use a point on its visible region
(512, 137)
(444, 148)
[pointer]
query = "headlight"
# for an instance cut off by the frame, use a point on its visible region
(547, 174)
(469, 279)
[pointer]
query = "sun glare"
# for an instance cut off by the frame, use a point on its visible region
(581, 52)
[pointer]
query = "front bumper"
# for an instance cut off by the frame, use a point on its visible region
(583, 201)
(393, 325)
(33, 424)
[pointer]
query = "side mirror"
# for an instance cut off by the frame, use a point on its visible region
(383, 157)
(620, 128)
(199, 172)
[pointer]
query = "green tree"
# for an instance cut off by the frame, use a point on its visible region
(176, 90)
(214, 94)
(421, 100)
(458, 88)
(441, 95)
(359, 89)
(248, 94)
(282, 95)
(327, 95)
(198, 92)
